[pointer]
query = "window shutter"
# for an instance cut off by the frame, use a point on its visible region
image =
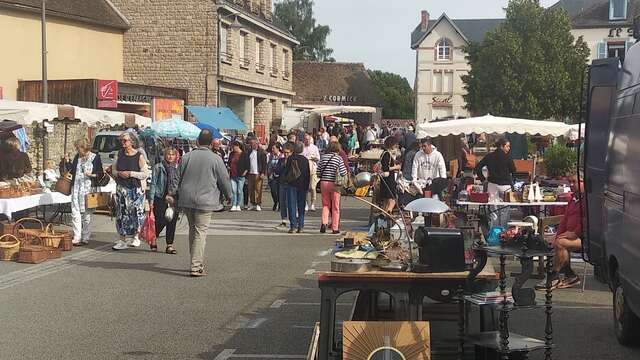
(601, 50)
(629, 45)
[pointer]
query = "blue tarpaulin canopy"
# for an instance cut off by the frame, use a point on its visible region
(217, 117)
(215, 132)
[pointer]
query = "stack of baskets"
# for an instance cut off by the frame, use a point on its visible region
(38, 245)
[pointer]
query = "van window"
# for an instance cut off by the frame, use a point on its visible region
(106, 143)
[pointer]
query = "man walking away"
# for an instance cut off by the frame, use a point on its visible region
(257, 171)
(201, 178)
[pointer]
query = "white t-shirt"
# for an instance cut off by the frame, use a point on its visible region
(253, 161)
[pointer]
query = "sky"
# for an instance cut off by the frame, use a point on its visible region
(377, 32)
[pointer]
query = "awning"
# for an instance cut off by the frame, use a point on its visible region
(25, 113)
(333, 110)
(489, 124)
(218, 117)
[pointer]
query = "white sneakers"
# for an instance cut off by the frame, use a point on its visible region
(130, 242)
(258, 208)
(313, 207)
(120, 245)
(235, 208)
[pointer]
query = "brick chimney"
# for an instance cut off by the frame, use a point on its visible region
(424, 20)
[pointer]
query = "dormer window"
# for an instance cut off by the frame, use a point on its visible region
(443, 50)
(618, 9)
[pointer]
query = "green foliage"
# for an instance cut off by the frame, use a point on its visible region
(530, 66)
(297, 17)
(397, 94)
(559, 160)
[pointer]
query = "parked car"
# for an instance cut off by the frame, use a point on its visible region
(107, 144)
(612, 179)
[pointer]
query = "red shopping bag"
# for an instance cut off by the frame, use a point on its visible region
(148, 231)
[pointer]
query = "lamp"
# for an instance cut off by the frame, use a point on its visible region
(235, 25)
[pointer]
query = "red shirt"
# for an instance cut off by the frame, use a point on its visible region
(233, 164)
(572, 220)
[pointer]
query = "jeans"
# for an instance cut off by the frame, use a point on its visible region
(330, 204)
(237, 185)
(198, 225)
(274, 185)
(295, 204)
(159, 208)
(282, 200)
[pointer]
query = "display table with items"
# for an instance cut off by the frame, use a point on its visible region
(10, 206)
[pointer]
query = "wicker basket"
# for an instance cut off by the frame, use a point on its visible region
(66, 243)
(9, 247)
(27, 235)
(50, 237)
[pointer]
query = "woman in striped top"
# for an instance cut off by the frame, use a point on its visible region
(330, 164)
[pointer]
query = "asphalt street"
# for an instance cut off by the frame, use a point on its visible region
(259, 301)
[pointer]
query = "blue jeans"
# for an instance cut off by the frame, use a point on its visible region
(295, 203)
(237, 184)
(282, 200)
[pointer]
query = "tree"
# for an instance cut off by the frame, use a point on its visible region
(530, 66)
(297, 17)
(396, 93)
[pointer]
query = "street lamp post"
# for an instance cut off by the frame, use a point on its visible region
(45, 90)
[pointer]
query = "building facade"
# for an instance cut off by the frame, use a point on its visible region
(441, 63)
(84, 39)
(605, 25)
(225, 53)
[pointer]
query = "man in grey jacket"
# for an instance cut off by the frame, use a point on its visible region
(202, 177)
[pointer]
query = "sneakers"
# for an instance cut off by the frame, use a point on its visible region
(570, 281)
(282, 225)
(313, 207)
(258, 208)
(291, 231)
(236, 208)
(120, 245)
(198, 273)
(133, 242)
(306, 207)
(542, 285)
(299, 231)
(275, 207)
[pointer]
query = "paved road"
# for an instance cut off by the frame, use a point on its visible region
(259, 300)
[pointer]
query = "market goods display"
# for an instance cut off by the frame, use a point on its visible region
(24, 186)
(9, 247)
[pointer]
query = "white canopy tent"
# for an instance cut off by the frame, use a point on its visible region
(490, 124)
(333, 110)
(577, 131)
(25, 113)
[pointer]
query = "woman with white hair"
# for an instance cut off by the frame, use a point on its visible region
(130, 172)
(85, 171)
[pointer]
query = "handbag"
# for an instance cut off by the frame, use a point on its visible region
(63, 185)
(148, 231)
(104, 180)
(94, 200)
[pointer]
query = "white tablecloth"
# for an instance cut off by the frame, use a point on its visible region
(9, 206)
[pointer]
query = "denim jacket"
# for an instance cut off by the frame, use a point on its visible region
(158, 182)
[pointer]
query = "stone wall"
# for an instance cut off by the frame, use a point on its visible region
(56, 142)
(172, 43)
(263, 113)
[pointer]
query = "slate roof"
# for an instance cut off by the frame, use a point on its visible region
(597, 16)
(312, 81)
(95, 12)
(575, 7)
(269, 23)
(471, 29)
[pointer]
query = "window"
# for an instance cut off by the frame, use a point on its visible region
(437, 82)
(273, 56)
(225, 55)
(243, 47)
(260, 55)
(286, 64)
(617, 9)
(447, 82)
(443, 50)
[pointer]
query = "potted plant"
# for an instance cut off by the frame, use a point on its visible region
(559, 160)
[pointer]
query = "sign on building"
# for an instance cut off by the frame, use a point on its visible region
(107, 94)
(165, 109)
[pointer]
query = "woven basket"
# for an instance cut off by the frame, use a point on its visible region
(66, 243)
(27, 235)
(50, 238)
(9, 248)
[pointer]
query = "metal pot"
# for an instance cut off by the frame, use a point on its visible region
(351, 265)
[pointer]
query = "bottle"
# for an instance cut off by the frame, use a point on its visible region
(531, 196)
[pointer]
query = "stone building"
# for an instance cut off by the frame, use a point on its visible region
(605, 25)
(441, 63)
(225, 52)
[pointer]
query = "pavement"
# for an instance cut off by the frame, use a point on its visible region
(259, 301)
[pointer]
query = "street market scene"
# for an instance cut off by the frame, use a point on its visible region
(320, 179)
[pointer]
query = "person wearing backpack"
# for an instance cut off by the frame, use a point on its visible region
(330, 168)
(296, 180)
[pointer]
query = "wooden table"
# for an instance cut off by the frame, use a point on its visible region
(407, 289)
